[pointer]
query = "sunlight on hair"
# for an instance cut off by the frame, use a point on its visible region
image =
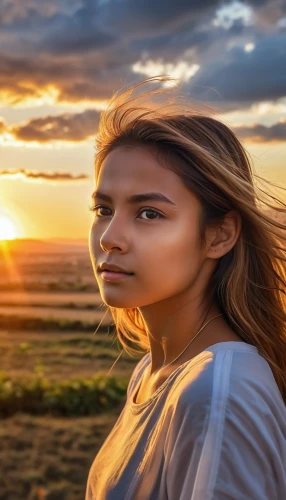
(249, 281)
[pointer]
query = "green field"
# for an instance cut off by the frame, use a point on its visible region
(48, 456)
(56, 369)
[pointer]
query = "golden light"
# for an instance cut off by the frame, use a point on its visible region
(8, 229)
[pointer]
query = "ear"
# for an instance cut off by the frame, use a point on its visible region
(222, 239)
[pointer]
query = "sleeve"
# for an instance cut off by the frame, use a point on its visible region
(234, 451)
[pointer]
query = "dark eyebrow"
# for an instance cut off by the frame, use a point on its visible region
(135, 198)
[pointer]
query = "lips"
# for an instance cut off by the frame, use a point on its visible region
(114, 272)
(113, 268)
(112, 276)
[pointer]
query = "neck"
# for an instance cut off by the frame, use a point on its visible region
(171, 326)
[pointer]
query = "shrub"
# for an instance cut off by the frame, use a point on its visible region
(74, 397)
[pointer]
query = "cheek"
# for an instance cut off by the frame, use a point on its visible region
(171, 265)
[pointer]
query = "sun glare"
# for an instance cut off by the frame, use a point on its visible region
(8, 230)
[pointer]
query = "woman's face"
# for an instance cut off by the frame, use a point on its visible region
(155, 240)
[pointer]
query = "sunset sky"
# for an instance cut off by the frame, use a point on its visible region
(61, 60)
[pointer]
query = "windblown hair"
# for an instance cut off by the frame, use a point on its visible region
(249, 281)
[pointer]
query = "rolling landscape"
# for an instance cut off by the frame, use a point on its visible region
(50, 309)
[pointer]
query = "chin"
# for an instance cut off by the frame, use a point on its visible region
(119, 302)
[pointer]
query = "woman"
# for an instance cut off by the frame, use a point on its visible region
(201, 289)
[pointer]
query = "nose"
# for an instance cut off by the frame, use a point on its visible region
(114, 236)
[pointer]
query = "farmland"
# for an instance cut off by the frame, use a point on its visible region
(51, 286)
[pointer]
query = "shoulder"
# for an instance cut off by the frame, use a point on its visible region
(232, 382)
(228, 435)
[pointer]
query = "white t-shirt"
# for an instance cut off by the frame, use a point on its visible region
(214, 430)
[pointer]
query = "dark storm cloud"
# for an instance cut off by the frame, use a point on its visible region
(13, 11)
(243, 78)
(82, 53)
(78, 33)
(75, 79)
(67, 127)
(145, 14)
(79, 40)
(149, 16)
(24, 77)
(261, 133)
(46, 176)
(86, 49)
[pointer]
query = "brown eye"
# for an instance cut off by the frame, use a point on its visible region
(150, 210)
(94, 209)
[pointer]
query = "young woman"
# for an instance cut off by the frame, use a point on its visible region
(193, 271)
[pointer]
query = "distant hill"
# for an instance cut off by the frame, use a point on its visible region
(33, 246)
(72, 241)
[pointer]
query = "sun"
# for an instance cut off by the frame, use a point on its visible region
(8, 229)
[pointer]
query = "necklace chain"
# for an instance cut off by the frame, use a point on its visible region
(164, 366)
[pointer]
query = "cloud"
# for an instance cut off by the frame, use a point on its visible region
(45, 176)
(260, 133)
(2, 126)
(230, 13)
(79, 50)
(115, 15)
(146, 17)
(73, 79)
(13, 11)
(81, 126)
(241, 78)
(87, 53)
(181, 70)
(268, 13)
(66, 127)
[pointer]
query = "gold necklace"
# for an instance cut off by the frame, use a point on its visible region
(164, 366)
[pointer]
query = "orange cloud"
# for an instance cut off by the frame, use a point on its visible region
(80, 126)
(2, 126)
(67, 127)
(260, 133)
(46, 176)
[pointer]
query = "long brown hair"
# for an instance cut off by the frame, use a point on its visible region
(249, 281)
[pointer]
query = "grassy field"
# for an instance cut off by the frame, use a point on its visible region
(48, 457)
(61, 355)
